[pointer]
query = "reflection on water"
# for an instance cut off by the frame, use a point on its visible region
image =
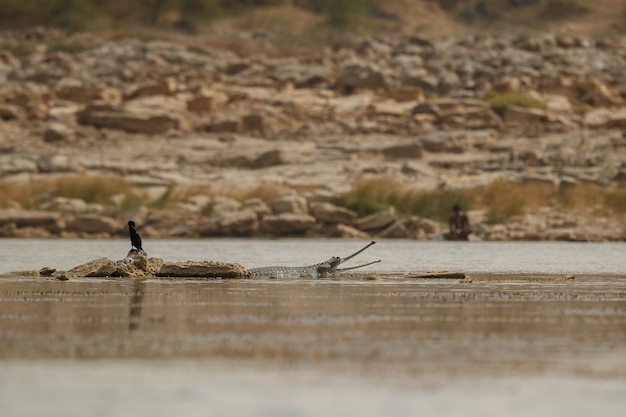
(492, 325)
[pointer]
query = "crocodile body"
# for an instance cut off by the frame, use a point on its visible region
(320, 270)
(314, 271)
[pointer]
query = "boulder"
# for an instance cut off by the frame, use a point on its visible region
(361, 76)
(377, 221)
(58, 132)
(32, 218)
(617, 119)
(396, 230)
(56, 163)
(421, 78)
(403, 151)
(202, 269)
(71, 205)
(329, 213)
(288, 203)
(253, 123)
(346, 232)
(287, 224)
(269, 158)
(10, 112)
(523, 115)
(101, 267)
(136, 264)
(238, 223)
(150, 121)
(162, 87)
(597, 93)
(224, 125)
(258, 206)
(201, 104)
(76, 92)
(93, 224)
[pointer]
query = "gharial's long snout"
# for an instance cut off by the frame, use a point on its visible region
(357, 252)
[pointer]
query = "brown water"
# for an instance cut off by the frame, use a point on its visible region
(504, 343)
(494, 325)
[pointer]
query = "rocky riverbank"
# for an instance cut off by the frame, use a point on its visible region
(243, 114)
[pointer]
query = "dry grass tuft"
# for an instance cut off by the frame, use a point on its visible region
(504, 199)
(377, 193)
(500, 200)
(91, 189)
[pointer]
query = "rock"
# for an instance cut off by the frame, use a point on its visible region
(426, 108)
(346, 232)
(47, 271)
(10, 112)
(258, 206)
(73, 90)
(403, 151)
(58, 132)
(377, 221)
(162, 87)
(238, 223)
(422, 79)
(557, 103)
(267, 159)
(597, 93)
(32, 218)
(287, 224)
(617, 119)
(523, 115)
(288, 203)
(135, 265)
(405, 94)
(361, 76)
(329, 213)
(202, 269)
(93, 224)
(56, 163)
(253, 123)
(101, 267)
(396, 230)
(148, 121)
(224, 125)
(138, 265)
(71, 205)
(8, 59)
(201, 104)
(223, 204)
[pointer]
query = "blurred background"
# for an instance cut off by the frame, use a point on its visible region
(179, 112)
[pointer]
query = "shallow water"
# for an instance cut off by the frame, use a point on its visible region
(396, 255)
(518, 340)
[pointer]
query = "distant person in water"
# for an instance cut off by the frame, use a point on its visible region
(135, 239)
(459, 225)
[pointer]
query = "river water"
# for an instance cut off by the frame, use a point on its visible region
(396, 255)
(540, 330)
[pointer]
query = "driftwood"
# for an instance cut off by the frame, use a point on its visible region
(438, 274)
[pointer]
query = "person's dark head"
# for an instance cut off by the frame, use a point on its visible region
(456, 208)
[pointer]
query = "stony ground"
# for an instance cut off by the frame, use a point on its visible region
(231, 117)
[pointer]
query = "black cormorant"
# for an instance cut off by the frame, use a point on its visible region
(135, 239)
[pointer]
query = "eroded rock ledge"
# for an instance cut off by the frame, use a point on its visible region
(137, 265)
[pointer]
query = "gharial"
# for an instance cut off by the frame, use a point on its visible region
(322, 269)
